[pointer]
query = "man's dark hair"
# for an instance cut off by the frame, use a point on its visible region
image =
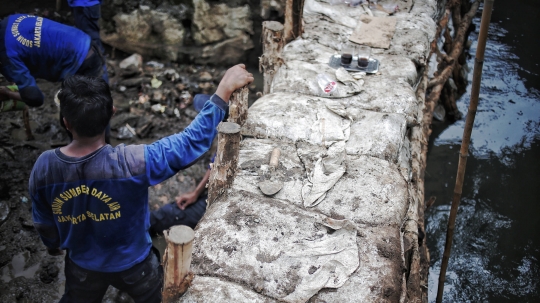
(86, 103)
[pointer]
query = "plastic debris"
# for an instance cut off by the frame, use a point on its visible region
(155, 64)
(324, 176)
(155, 82)
(125, 132)
(135, 60)
(158, 108)
(143, 99)
(327, 86)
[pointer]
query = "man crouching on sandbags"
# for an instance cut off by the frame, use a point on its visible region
(91, 199)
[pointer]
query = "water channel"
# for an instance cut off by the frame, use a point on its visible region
(496, 248)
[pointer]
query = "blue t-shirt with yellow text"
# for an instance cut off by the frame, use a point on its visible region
(36, 47)
(96, 206)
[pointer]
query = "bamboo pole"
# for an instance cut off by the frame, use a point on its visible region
(475, 91)
(270, 61)
(177, 261)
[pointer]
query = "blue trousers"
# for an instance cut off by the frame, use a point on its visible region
(169, 215)
(87, 20)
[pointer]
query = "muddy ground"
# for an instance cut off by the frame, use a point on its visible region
(28, 273)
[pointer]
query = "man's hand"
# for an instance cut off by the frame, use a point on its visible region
(185, 200)
(235, 78)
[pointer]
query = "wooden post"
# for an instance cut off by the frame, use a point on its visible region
(27, 128)
(293, 28)
(226, 160)
(270, 61)
(238, 106)
(58, 5)
(463, 153)
(176, 262)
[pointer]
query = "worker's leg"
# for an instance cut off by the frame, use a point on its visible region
(87, 20)
(144, 281)
(169, 215)
(83, 286)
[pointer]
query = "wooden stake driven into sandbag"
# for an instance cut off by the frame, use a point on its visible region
(177, 261)
(226, 160)
(238, 106)
(228, 146)
(293, 28)
(270, 61)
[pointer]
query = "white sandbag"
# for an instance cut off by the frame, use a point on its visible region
(301, 77)
(372, 192)
(255, 153)
(378, 135)
(379, 278)
(344, 15)
(404, 160)
(327, 172)
(308, 51)
(327, 33)
(396, 67)
(413, 37)
(275, 248)
(295, 117)
(383, 95)
(209, 289)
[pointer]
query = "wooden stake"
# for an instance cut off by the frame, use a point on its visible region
(238, 106)
(27, 128)
(176, 262)
(293, 28)
(226, 160)
(270, 61)
(463, 153)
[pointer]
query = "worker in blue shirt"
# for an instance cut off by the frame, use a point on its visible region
(91, 199)
(35, 47)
